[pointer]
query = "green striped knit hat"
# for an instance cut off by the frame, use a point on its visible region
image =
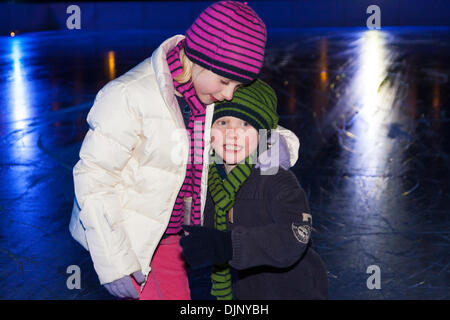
(255, 103)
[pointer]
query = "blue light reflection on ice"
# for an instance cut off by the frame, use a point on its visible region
(20, 151)
(19, 97)
(21, 136)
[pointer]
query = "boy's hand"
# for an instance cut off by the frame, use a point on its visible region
(204, 246)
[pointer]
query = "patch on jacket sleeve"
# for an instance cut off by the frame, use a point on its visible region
(307, 217)
(301, 232)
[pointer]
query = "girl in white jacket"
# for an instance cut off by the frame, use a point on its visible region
(144, 160)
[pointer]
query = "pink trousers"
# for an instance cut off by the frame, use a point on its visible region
(168, 279)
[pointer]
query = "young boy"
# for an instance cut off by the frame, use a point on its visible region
(257, 228)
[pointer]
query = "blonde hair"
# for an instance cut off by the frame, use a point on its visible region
(187, 66)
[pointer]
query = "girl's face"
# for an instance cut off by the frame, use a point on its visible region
(233, 139)
(211, 87)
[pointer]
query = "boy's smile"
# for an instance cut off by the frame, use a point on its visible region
(233, 139)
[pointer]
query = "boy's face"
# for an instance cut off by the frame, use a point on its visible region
(211, 87)
(233, 139)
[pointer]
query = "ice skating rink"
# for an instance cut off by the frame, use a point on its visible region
(371, 109)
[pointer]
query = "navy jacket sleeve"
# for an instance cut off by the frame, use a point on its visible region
(283, 242)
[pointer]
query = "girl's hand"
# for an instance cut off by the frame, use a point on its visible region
(123, 287)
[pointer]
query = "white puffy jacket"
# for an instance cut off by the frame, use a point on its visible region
(132, 166)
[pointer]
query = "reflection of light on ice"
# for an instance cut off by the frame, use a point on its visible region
(111, 65)
(24, 139)
(372, 145)
(372, 70)
(323, 63)
(19, 98)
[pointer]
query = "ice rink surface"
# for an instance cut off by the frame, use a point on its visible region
(370, 107)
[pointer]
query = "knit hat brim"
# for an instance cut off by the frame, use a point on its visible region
(255, 103)
(231, 109)
(222, 69)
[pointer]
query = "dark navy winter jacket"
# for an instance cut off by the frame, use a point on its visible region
(271, 235)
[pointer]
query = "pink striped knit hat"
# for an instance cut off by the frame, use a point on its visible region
(228, 38)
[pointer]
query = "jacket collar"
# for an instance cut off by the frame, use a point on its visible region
(164, 77)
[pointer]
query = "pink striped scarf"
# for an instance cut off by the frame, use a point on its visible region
(196, 128)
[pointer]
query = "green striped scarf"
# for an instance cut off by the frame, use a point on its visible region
(223, 195)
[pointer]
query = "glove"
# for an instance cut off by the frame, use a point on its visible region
(276, 156)
(123, 287)
(204, 246)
